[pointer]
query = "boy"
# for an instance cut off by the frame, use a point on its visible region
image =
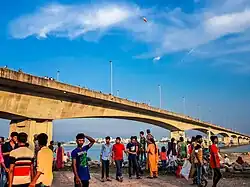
(80, 162)
(105, 156)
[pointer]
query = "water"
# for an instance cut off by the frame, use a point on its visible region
(94, 152)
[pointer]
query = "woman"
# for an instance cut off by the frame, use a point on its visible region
(152, 151)
(59, 157)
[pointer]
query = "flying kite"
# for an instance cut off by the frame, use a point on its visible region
(145, 19)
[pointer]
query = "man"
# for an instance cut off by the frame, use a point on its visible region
(51, 146)
(118, 149)
(44, 175)
(182, 148)
(132, 149)
(172, 153)
(21, 163)
(106, 153)
(149, 136)
(7, 148)
(3, 168)
(198, 160)
(142, 146)
(80, 160)
(215, 160)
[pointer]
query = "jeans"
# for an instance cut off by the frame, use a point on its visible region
(132, 162)
(143, 155)
(199, 173)
(118, 164)
(217, 176)
(105, 167)
(164, 164)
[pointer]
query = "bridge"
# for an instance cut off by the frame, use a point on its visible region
(32, 103)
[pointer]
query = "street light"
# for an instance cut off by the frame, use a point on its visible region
(184, 105)
(57, 75)
(117, 93)
(111, 77)
(159, 86)
(198, 111)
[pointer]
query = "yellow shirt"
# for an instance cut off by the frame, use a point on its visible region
(44, 165)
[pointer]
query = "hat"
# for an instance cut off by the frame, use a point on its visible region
(226, 155)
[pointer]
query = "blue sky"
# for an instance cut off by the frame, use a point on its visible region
(197, 49)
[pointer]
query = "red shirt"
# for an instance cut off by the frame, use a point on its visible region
(118, 151)
(163, 155)
(214, 157)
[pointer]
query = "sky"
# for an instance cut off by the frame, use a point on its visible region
(194, 49)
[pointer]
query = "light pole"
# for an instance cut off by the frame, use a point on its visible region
(117, 93)
(159, 86)
(210, 114)
(198, 111)
(111, 77)
(184, 105)
(57, 75)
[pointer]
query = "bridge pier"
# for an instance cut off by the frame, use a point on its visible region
(177, 134)
(32, 127)
(227, 141)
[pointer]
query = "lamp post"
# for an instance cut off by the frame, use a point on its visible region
(184, 105)
(57, 75)
(111, 77)
(159, 86)
(117, 93)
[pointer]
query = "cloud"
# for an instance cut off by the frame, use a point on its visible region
(156, 58)
(167, 30)
(71, 21)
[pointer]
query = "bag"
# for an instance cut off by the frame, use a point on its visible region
(178, 171)
(186, 169)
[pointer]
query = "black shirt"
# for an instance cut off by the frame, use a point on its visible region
(132, 148)
(5, 149)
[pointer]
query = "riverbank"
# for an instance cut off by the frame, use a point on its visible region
(65, 179)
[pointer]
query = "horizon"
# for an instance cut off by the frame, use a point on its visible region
(196, 50)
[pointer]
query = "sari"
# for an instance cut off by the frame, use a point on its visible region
(152, 151)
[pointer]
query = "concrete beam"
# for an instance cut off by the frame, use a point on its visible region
(177, 134)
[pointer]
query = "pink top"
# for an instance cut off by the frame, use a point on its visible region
(1, 155)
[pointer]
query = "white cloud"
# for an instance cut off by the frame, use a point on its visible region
(167, 31)
(156, 58)
(71, 21)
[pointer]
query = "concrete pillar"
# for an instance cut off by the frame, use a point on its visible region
(227, 140)
(32, 127)
(209, 134)
(177, 134)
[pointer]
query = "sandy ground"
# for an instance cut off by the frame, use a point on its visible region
(65, 179)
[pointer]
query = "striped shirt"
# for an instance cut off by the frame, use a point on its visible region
(23, 159)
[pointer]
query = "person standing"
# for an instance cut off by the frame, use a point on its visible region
(118, 149)
(132, 150)
(182, 149)
(44, 174)
(163, 157)
(3, 168)
(152, 151)
(172, 153)
(198, 160)
(106, 153)
(21, 163)
(80, 160)
(51, 146)
(142, 147)
(7, 148)
(149, 136)
(59, 156)
(215, 160)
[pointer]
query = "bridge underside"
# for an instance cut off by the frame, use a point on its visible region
(28, 109)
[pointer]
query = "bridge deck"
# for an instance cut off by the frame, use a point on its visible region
(14, 78)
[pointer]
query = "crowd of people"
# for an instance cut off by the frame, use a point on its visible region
(23, 167)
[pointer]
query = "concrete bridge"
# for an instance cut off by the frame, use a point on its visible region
(32, 103)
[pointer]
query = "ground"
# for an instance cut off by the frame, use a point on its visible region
(65, 179)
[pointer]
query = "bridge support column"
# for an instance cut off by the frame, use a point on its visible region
(227, 141)
(32, 127)
(235, 141)
(209, 134)
(177, 134)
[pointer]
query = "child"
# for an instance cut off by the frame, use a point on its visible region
(163, 157)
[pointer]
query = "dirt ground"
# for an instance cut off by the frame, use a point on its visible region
(65, 179)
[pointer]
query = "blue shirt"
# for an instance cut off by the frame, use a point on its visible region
(106, 151)
(132, 148)
(5, 149)
(80, 154)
